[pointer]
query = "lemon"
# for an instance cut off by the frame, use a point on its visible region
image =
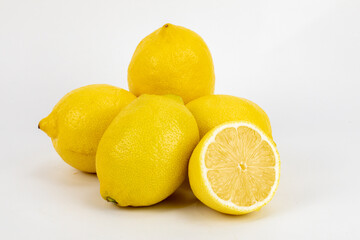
(142, 157)
(172, 60)
(213, 110)
(80, 118)
(235, 169)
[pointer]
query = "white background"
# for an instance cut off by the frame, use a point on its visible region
(299, 60)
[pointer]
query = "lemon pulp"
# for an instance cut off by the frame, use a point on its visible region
(235, 168)
(240, 166)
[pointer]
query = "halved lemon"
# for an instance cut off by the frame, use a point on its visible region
(235, 169)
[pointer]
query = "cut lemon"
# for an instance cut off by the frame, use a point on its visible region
(235, 168)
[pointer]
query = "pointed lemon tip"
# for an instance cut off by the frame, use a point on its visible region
(47, 125)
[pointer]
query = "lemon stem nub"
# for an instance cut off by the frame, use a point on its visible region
(109, 199)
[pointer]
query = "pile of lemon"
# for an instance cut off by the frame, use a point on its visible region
(144, 143)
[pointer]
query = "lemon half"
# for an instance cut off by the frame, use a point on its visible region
(235, 169)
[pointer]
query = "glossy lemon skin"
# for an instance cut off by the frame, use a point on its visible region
(172, 60)
(79, 119)
(142, 157)
(213, 110)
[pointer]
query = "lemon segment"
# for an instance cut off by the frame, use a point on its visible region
(235, 168)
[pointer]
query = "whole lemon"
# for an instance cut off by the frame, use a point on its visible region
(143, 155)
(79, 120)
(213, 110)
(172, 60)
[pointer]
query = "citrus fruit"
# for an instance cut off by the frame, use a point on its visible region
(79, 120)
(235, 168)
(142, 157)
(172, 60)
(213, 110)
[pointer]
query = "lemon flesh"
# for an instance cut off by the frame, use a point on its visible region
(235, 168)
(213, 110)
(79, 119)
(172, 60)
(143, 156)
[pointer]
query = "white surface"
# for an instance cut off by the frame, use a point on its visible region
(299, 60)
